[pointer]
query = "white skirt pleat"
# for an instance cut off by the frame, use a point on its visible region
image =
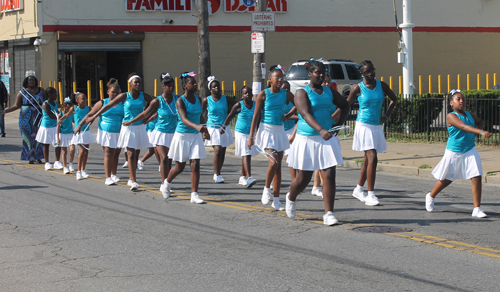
(271, 137)
(368, 137)
(455, 165)
(65, 140)
(107, 139)
(216, 138)
(186, 146)
(313, 153)
(150, 137)
(162, 139)
(241, 146)
(46, 135)
(134, 137)
(84, 138)
(288, 134)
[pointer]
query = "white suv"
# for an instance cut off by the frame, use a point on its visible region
(345, 73)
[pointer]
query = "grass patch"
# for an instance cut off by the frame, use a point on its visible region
(424, 166)
(399, 153)
(359, 160)
(417, 155)
(491, 174)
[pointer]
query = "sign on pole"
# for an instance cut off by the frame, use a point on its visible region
(263, 21)
(257, 43)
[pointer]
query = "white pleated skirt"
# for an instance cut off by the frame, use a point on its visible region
(107, 139)
(216, 139)
(162, 139)
(241, 146)
(134, 137)
(65, 140)
(271, 137)
(84, 138)
(46, 135)
(186, 146)
(288, 134)
(455, 165)
(150, 137)
(368, 137)
(313, 153)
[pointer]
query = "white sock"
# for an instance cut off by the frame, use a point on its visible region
(166, 182)
(371, 193)
(194, 194)
(315, 189)
(359, 188)
(276, 200)
(243, 177)
(267, 189)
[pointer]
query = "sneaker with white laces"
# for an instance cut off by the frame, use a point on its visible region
(65, 170)
(70, 167)
(129, 183)
(79, 175)
(85, 174)
(359, 194)
(251, 182)
(477, 212)
(125, 165)
(266, 196)
(371, 200)
(277, 205)
(109, 181)
(165, 189)
(48, 166)
(290, 207)
(429, 203)
(329, 219)
(219, 180)
(195, 199)
(243, 181)
(115, 178)
(58, 165)
(134, 186)
(140, 165)
(316, 191)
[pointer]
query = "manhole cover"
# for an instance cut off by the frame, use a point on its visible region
(382, 229)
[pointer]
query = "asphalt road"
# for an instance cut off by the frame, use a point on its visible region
(60, 234)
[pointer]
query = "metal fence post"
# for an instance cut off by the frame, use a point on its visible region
(427, 110)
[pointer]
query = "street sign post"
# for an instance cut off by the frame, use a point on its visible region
(258, 43)
(263, 21)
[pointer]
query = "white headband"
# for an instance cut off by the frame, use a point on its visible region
(165, 75)
(210, 79)
(453, 91)
(133, 77)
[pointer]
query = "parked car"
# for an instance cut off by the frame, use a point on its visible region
(344, 73)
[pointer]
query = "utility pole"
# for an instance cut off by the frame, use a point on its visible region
(258, 58)
(204, 67)
(407, 49)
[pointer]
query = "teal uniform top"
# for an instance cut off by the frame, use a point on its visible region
(217, 111)
(79, 115)
(48, 122)
(245, 116)
(151, 125)
(167, 115)
(370, 104)
(458, 140)
(289, 124)
(133, 107)
(193, 113)
(67, 125)
(321, 109)
(111, 120)
(274, 107)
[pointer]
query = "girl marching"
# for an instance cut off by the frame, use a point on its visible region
(82, 136)
(47, 132)
(65, 136)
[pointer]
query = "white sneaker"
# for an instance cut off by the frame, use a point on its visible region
(360, 195)
(219, 180)
(140, 165)
(196, 199)
(277, 206)
(109, 181)
(266, 196)
(243, 181)
(70, 167)
(129, 183)
(251, 182)
(48, 166)
(79, 175)
(429, 203)
(215, 177)
(291, 206)
(316, 191)
(477, 212)
(329, 219)
(65, 170)
(159, 168)
(125, 165)
(371, 200)
(115, 178)
(58, 165)
(85, 174)
(165, 189)
(271, 187)
(134, 186)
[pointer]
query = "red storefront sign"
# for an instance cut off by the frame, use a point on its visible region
(278, 6)
(163, 5)
(11, 5)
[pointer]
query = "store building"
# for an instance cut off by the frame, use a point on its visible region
(96, 40)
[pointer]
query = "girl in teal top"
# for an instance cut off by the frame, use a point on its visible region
(271, 137)
(461, 159)
(47, 132)
(218, 106)
(315, 147)
(150, 127)
(82, 136)
(65, 135)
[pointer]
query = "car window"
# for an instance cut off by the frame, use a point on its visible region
(335, 71)
(297, 72)
(352, 72)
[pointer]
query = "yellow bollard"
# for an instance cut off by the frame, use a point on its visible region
(128, 86)
(487, 81)
(439, 85)
(400, 85)
(244, 83)
(234, 87)
(420, 84)
(89, 94)
(50, 83)
(155, 92)
(223, 86)
(430, 84)
(74, 87)
(478, 81)
(458, 82)
(390, 82)
(468, 81)
(382, 79)
(41, 84)
(101, 89)
(449, 79)
(177, 85)
(60, 93)
(494, 79)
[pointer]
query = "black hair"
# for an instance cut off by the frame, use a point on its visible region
(48, 92)
(114, 83)
(73, 97)
(246, 88)
(25, 81)
(451, 95)
(312, 65)
(212, 82)
(132, 74)
(274, 68)
(185, 79)
(364, 63)
(167, 79)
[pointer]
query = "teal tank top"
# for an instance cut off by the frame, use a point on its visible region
(458, 140)
(289, 124)
(167, 115)
(217, 111)
(47, 122)
(133, 107)
(321, 109)
(79, 115)
(370, 104)
(111, 120)
(274, 107)
(193, 113)
(67, 125)
(245, 117)
(151, 125)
